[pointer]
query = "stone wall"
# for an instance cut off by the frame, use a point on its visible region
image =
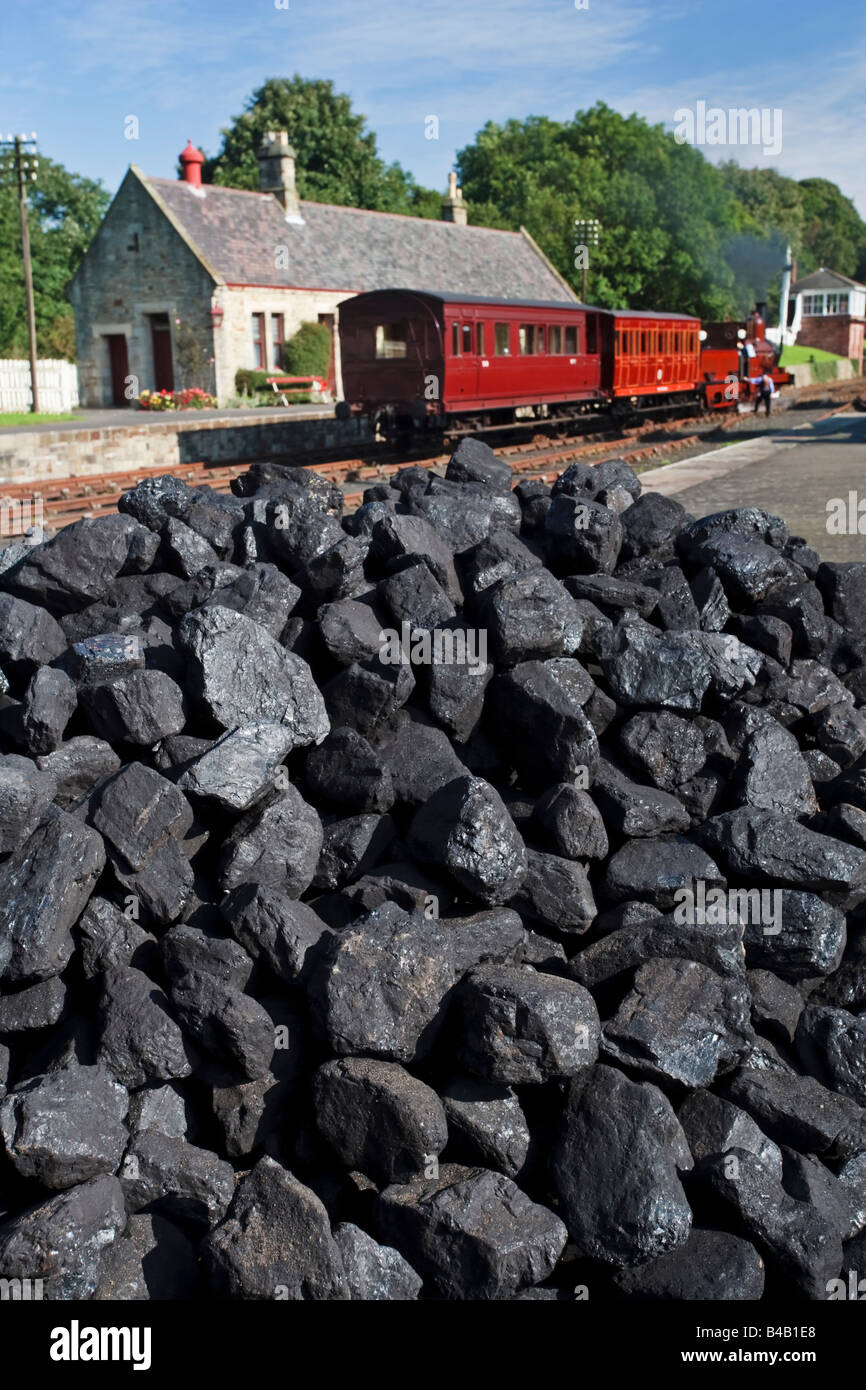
(35, 455)
(233, 340)
(137, 265)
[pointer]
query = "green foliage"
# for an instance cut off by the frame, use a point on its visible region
(64, 211)
(308, 352)
(248, 381)
(336, 154)
(676, 230)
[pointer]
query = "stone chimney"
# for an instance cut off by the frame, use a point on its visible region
(454, 208)
(277, 172)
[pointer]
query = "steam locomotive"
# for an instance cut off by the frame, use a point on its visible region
(420, 360)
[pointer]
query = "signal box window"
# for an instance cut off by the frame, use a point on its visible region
(479, 339)
(572, 339)
(554, 338)
(390, 340)
(503, 339)
(467, 338)
(526, 336)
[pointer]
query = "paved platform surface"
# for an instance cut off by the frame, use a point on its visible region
(107, 419)
(793, 472)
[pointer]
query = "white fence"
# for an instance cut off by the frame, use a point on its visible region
(57, 381)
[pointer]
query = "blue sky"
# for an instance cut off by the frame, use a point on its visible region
(74, 71)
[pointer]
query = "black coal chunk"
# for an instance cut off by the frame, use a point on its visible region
(470, 1232)
(616, 1167)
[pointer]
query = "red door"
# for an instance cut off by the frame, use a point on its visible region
(163, 368)
(119, 361)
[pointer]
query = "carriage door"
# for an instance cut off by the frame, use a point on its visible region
(464, 362)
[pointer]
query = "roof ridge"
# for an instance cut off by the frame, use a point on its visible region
(339, 207)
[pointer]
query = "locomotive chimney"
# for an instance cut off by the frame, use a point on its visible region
(453, 207)
(277, 172)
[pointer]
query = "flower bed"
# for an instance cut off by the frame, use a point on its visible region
(190, 399)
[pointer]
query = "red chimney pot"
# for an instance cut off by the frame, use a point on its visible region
(192, 159)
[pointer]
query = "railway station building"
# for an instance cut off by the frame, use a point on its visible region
(830, 313)
(186, 282)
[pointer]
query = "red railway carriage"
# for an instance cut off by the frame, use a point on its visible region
(424, 357)
(651, 355)
(413, 358)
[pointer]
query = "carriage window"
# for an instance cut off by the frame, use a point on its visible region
(479, 339)
(676, 342)
(467, 338)
(643, 342)
(390, 340)
(616, 341)
(539, 338)
(554, 338)
(503, 339)
(572, 341)
(526, 338)
(455, 340)
(591, 333)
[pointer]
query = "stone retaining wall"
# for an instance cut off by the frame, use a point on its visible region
(32, 455)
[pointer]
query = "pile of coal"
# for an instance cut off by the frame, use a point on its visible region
(459, 899)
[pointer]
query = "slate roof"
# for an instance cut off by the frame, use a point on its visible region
(825, 280)
(351, 249)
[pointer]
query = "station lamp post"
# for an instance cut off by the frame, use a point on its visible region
(586, 230)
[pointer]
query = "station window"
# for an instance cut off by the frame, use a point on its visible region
(526, 336)
(258, 329)
(502, 333)
(277, 340)
(467, 339)
(479, 339)
(554, 338)
(572, 338)
(390, 340)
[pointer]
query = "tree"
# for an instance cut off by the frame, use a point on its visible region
(336, 155)
(64, 211)
(663, 209)
(834, 233)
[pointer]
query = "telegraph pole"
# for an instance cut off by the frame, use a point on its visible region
(22, 152)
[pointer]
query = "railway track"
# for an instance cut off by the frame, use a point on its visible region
(65, 500)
